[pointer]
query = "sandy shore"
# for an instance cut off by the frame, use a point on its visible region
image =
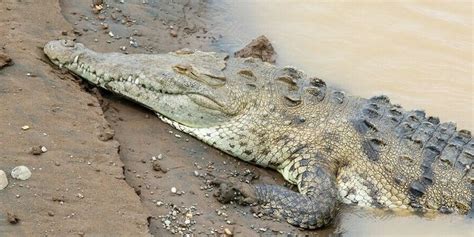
(110, 165)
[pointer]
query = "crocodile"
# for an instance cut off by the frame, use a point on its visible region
(335, 148)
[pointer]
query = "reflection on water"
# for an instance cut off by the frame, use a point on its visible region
(420, 54)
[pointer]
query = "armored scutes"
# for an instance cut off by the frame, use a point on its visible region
(334, 147)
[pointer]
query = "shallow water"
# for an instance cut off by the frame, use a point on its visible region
(420, 54)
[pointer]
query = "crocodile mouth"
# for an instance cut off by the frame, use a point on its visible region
(133, 83)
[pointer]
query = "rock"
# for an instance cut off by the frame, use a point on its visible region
(106, 134)
(12, 218)
(228, 232)
(225, 194)
(97, 2)
(5, 60)
(173, 33)
(157, 167)
(173, 190)
(21, 173)
(259, 48)
(36, 150)
(3, 180)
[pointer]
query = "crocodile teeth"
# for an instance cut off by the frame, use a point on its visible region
(137, 81)
(61, 65)
(76, 58)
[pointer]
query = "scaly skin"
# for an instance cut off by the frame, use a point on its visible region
(335, 148)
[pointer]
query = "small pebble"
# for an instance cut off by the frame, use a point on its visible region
(173, 33)
(21, 173)
(227, 231)
(173, 190)
(44, 149)
(3, 180)
(26, 127)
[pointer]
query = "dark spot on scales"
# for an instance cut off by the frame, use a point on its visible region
(399, 179)
(248, 152)
(371, 113)
(427, 177)
(304, 162)
(251, 86)
(382, 99)
(417, 189)
(445, 210)
(433, 120)
(247, 73)
(298, 120)
(372, 148)
(338, 97)
(363, 126)
(293, 100)
(429, 156)
(289, 81)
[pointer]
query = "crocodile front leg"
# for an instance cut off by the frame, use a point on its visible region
(315, 204)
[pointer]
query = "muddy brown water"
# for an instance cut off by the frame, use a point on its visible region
(419, 54)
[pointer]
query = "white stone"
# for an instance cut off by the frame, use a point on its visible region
(21, 172)
(3, 180)
(173, 190)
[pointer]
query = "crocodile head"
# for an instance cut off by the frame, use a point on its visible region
(187, 87)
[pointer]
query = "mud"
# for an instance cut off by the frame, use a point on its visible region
(121, 172)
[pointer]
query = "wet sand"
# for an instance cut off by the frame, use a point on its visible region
(89, 185)
(89, 182)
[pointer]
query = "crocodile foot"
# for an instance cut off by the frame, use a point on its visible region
(234, 191)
